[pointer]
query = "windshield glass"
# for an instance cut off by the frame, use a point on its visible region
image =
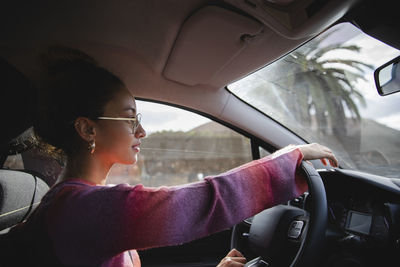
(325, 92)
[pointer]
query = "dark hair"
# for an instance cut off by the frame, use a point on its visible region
(73, 85)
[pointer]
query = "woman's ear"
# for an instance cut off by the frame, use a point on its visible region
(86, 129)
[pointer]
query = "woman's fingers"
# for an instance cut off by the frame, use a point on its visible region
(332, 159)
(238, 259)
(317, 151)
(233, 259)
(333, 163)
(234, 253)
(232, 262)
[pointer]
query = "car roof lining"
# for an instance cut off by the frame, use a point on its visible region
(128, 26)
(124, 38)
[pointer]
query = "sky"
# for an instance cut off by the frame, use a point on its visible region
(386, 110)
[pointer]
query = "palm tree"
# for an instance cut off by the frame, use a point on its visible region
(318, 87)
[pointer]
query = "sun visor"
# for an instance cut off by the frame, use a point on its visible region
(209, 40)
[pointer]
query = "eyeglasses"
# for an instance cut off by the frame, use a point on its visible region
(135, 122)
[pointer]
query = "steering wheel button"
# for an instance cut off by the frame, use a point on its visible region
(295, 229)
(298, 225)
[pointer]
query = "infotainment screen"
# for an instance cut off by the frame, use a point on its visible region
(359, 222)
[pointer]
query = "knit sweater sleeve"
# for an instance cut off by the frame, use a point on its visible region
(92, 223)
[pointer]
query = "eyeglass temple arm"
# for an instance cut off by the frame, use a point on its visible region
(116, 119)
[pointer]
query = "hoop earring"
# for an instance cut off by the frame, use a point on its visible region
(92, 146)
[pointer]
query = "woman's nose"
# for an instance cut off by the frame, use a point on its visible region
(140, 132)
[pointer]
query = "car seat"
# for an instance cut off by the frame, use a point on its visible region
(20, 190)
(20, 193)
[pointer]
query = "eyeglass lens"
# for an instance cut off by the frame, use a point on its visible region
(136, 123)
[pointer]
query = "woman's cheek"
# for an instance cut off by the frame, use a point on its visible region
(118, 146)
(127, 154)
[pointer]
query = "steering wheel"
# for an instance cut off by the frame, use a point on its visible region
(286, 235)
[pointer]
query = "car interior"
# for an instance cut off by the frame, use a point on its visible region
(185, 55)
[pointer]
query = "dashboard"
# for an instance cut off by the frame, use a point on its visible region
(363, 228)
(363, 218)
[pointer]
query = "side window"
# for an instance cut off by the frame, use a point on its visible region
(263, 152)
(181, 147)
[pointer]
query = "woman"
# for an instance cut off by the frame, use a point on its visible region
(91, 117)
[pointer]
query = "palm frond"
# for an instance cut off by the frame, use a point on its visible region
(322, 51)
(349, 62)
(341, 73)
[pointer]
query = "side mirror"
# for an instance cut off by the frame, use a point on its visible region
(387, 77)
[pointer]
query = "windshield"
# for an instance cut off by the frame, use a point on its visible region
(325, 92)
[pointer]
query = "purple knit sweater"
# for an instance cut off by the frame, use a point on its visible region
(91, 225)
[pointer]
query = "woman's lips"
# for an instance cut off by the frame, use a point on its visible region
(136, 147)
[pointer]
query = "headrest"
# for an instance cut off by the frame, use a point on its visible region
(17, 103)
(20, 193)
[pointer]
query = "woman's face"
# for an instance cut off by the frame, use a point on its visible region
(115, 140)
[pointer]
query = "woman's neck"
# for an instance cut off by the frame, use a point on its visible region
(87, 167)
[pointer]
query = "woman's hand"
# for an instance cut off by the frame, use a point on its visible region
(234, 258)
(317, 151)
